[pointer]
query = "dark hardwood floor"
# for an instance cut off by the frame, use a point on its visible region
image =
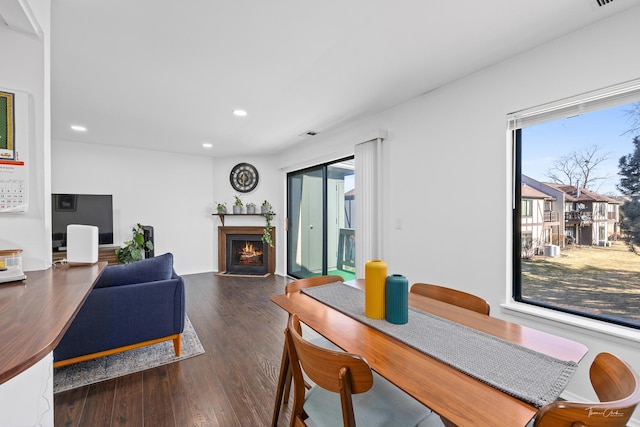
(232, 384)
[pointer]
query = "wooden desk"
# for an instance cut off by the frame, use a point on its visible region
(458, 397)
(35, 314)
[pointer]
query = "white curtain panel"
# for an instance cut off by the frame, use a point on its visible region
(368, 215)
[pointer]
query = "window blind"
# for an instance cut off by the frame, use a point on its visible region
(624, 93)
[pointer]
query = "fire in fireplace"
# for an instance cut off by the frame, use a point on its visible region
(246, 254)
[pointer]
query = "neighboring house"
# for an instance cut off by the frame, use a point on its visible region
(553, 210)
(615, 230)
(536, 231)
(590, 218)
(558, 214)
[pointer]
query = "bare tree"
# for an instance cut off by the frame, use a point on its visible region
(634, 117)
(579, 167)
(563, 171)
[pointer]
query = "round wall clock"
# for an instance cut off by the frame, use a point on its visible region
(244, 177)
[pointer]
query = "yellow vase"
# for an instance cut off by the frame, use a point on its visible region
(375, 275)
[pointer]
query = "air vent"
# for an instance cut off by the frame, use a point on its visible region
(603, 2)
(309, 133)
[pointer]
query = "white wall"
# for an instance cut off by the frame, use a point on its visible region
(448, 169)
(172, 193)
(176, 194)
(25, 68)
(271, 187)
(27, 399)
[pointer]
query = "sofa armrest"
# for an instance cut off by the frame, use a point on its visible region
(180, 301)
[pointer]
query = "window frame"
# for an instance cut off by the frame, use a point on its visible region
(625, 93)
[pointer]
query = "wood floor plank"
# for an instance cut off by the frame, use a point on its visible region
(232, 384)
(69, 406)
(210, 399)
(128, 408)
(180, 399)
(157, 395)
(98, 406)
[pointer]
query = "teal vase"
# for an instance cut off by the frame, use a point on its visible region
(397, 299)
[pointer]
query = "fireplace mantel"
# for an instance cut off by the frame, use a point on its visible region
(222, 245)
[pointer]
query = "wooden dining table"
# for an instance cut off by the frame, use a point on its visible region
(454, 395)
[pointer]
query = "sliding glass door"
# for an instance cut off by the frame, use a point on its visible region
(305, 233)
(321, 233)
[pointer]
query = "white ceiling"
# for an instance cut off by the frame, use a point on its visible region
(166, 74)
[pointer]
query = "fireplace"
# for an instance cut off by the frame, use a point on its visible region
(241, 251)
(246, 254)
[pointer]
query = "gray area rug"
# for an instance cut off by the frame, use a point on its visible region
(117, 365)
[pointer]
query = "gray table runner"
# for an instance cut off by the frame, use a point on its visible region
(518, 371)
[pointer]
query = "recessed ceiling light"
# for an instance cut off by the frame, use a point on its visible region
(207, 144)
(78, 128)
(239, 113)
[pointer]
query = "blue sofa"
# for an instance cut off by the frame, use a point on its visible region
(131, 305)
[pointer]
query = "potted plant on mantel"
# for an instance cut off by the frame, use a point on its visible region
(266, 207)
(221, 208)
(251, 208)
(237, 205)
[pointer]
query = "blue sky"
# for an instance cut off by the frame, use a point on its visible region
(547, 142)
(349, 183)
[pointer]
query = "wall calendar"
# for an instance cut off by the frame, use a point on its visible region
(14, 149)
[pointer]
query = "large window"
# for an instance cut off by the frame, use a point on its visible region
(576, 162)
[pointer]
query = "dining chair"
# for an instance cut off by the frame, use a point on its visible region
(309, 282)
(452, 296)
(285, 377)
(618, 389)
(346, 390)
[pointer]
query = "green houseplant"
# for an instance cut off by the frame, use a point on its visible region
(222, 208)
(266, 207)
(266, 233)
(134, 248)
(237, 205)
(251, 208)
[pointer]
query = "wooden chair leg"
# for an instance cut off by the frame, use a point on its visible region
(285, 374)
(287, 386)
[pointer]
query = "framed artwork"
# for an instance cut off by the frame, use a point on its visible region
(7, 143)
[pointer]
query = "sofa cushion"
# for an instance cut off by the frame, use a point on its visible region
(146, 270)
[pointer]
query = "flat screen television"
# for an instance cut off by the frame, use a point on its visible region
(83, 209)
